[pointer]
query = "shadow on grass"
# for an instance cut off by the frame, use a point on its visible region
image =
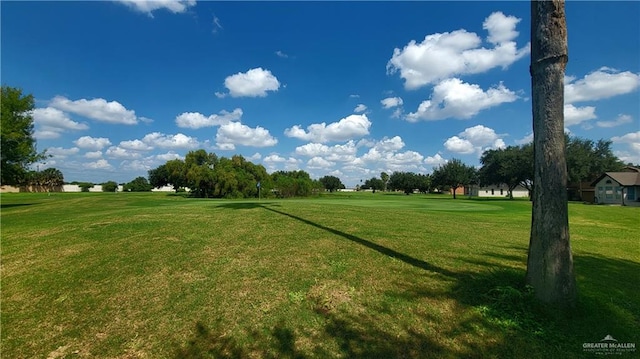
(12, 205)
(211, 343)
(418, 263)
(245, 205)
(495, 315)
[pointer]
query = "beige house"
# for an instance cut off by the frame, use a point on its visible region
(618, 187)
(500, 191)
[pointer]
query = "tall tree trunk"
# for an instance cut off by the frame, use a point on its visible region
(550, 263)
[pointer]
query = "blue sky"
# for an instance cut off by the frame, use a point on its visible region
(349, 89)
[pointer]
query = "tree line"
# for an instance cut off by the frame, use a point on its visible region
(511, 166)
(209, 176)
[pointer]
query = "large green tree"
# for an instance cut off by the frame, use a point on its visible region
(384, 176)
(512, 166)
(207, 175)
(293, 183)
(17, 142)
(373, 183)
(50, 179)
(171, 173)
(199, 172)
(110, 186)
(331, 183)
(586, 160)
(139, 184)
(549, 262)
(409, 182)
(453, 174)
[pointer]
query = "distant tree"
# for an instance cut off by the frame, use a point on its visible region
(109, 186)
(199, 173)
(453, 174)
(208, 175)
(16, 136)
(292, 183)
(384, 176)
(139, 184)
(171, 173)
(423, 183)
(404, 181)
(52, 178)
(604, 159)
(84, 186)
(586, 160)
(511, 166)
(373, 183)
(331, 183)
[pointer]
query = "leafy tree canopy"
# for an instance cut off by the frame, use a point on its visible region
(512, 166)
(408, 182)
(331, 183)
(17, 142)
(109, 186)
(139, 184)
(453, 174)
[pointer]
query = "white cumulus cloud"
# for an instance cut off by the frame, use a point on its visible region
(391, 102)
(336, 153)
(100, 164)
(197, 120)
(253, 83)
(443, 55)
(459, 145)
(60, 152)
(347, 128)
(93, 155)
(96, 109)
(274, 162)
(177, 141)
(600, 84)
(620, 120)
(453, 98)
(474, 139)
(435, 160)
(121, 153)
(53, 118)
(168, 156)
(575, 115)
(235, 133)
(92, 143)
(149, 6)
(360, 108)
(631, 143)
(51, 123)
(319, 163)
(135, 145)
(631, 138)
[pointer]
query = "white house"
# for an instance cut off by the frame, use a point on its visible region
(618, 187)
(498, 191)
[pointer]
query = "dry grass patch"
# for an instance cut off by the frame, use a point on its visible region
(327, 296)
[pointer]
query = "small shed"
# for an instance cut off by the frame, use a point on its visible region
(618, 187)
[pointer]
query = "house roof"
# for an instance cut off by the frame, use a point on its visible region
(623, 178)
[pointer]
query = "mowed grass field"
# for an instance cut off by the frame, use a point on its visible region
(350, 275)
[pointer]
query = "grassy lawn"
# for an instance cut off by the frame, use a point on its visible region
(339, 276)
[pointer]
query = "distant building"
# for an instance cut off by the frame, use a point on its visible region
(501, 191)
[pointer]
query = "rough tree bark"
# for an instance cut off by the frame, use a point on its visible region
(549, 263)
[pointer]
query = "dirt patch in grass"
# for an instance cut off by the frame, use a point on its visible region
(330, 295)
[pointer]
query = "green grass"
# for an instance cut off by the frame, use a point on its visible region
(338, 276)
